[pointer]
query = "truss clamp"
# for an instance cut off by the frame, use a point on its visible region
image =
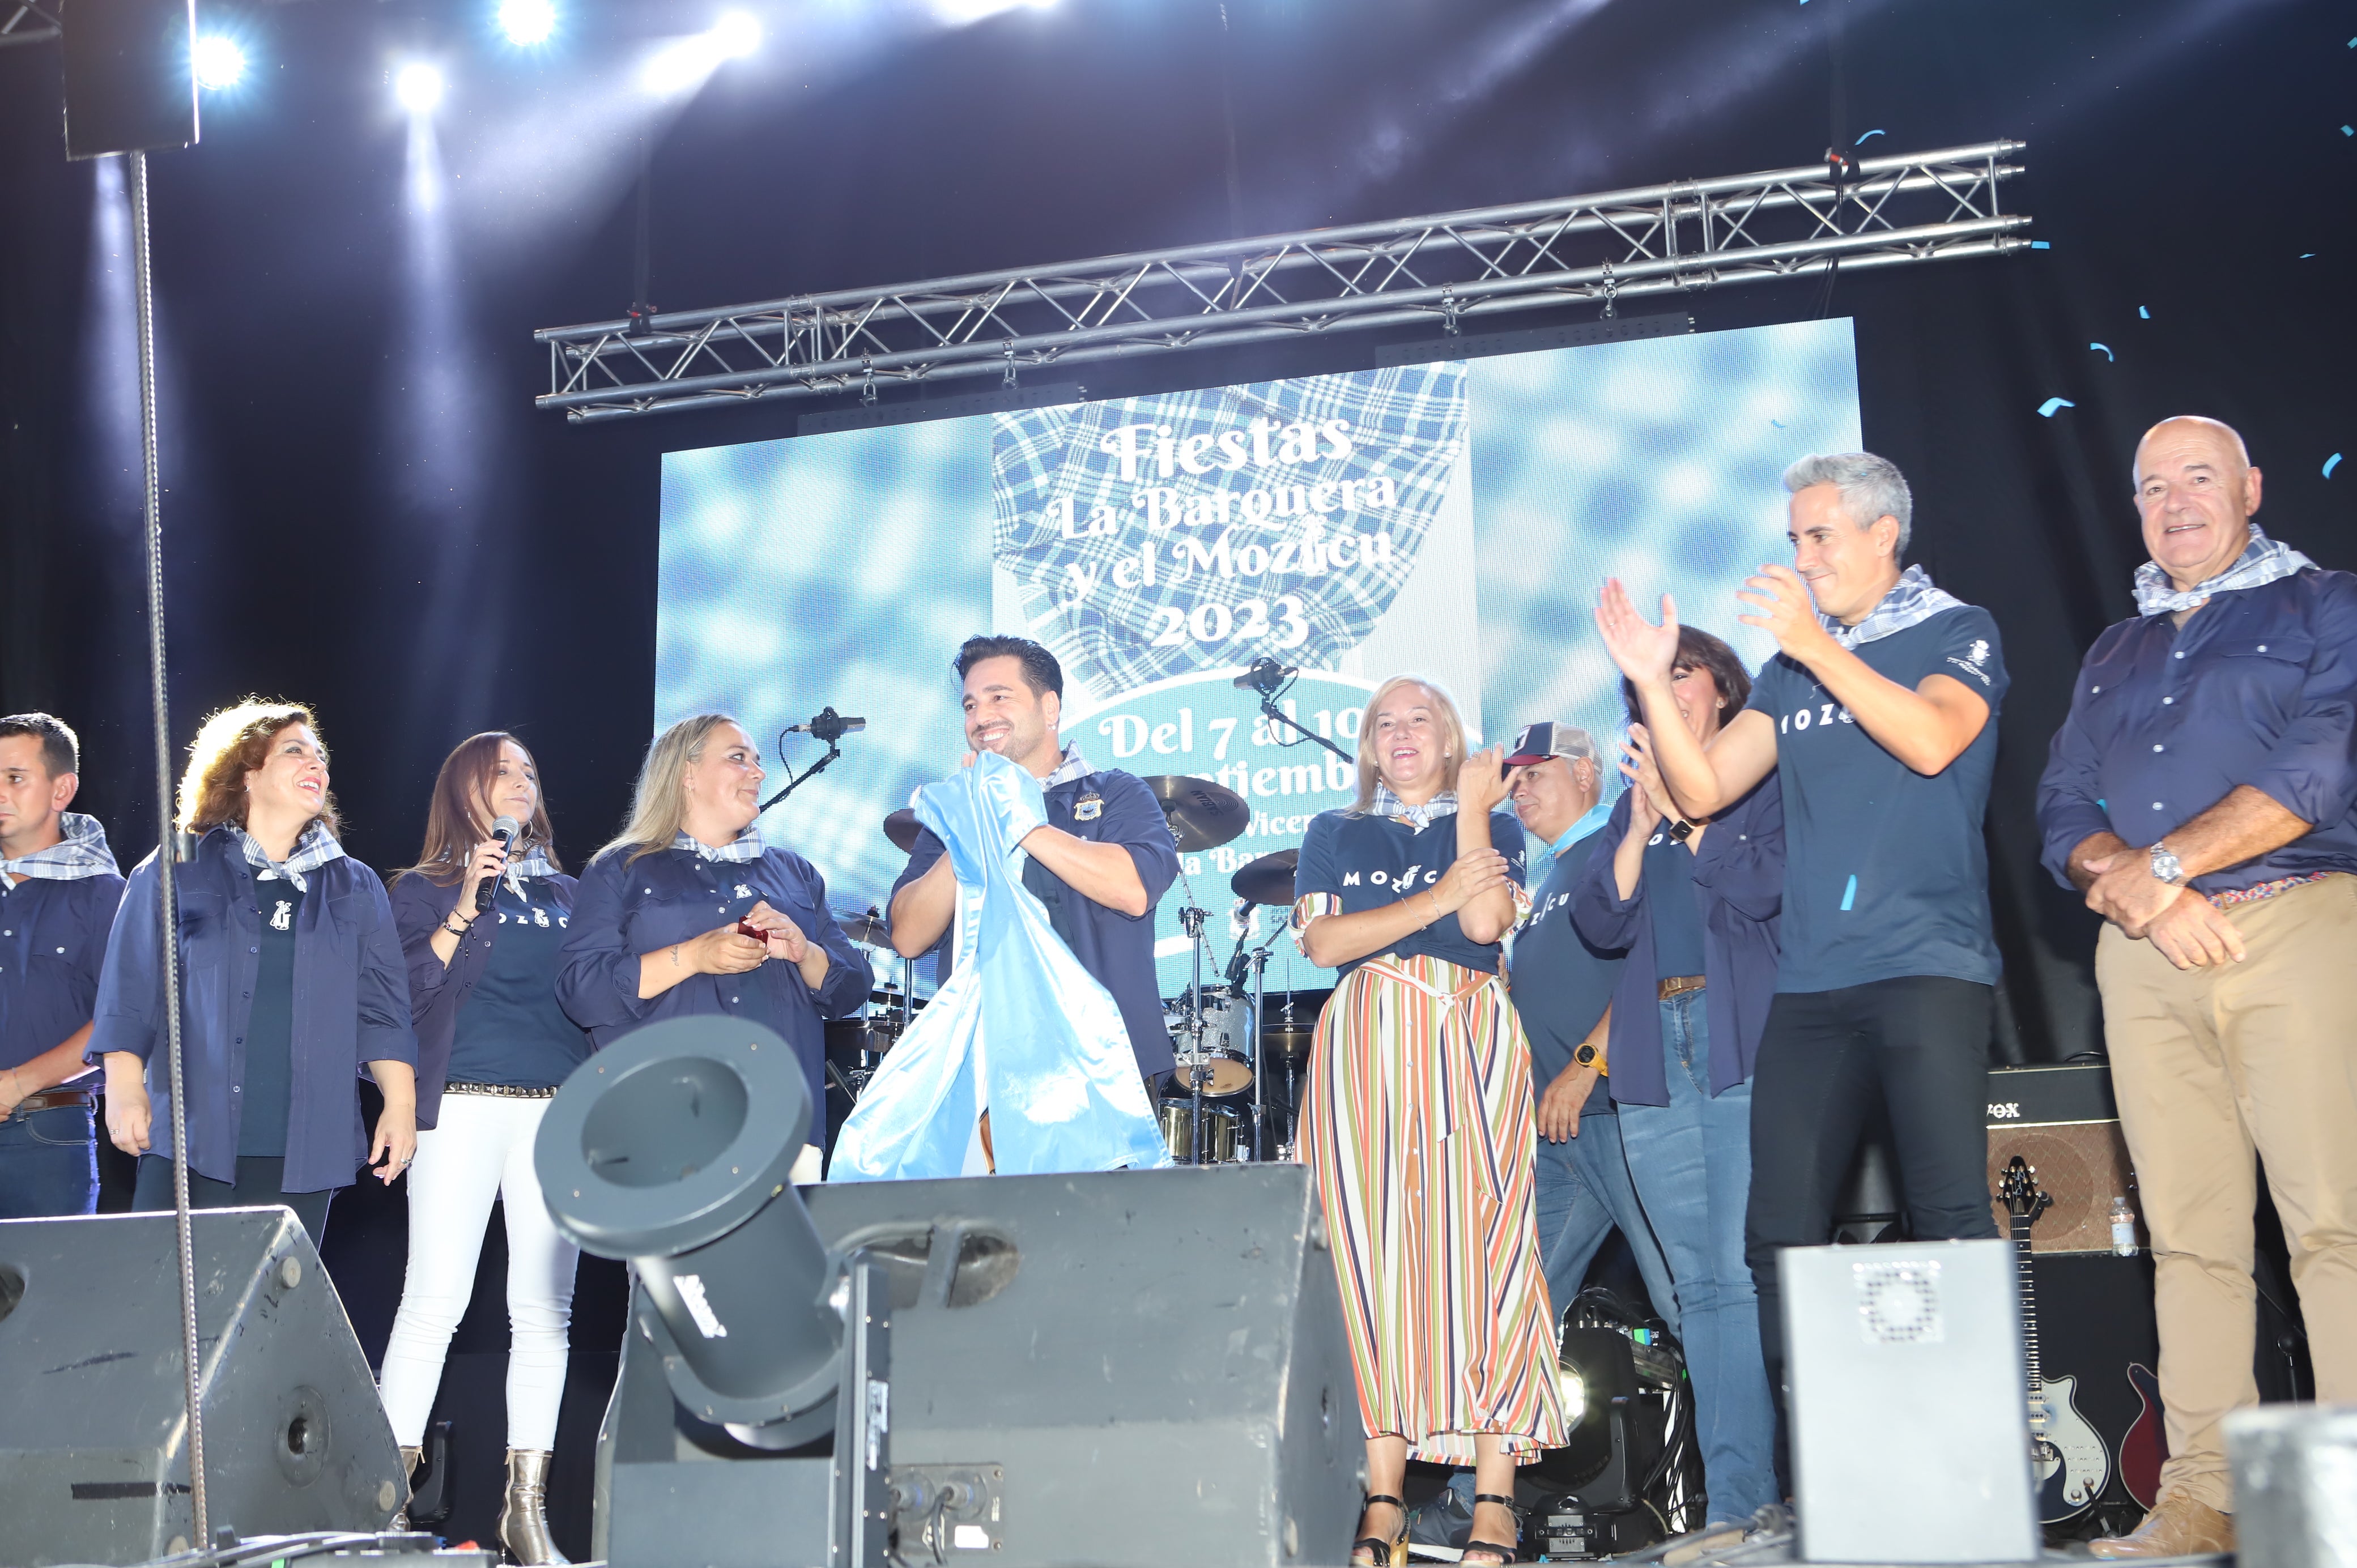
(1007, 349)
(1612, 292)
(868, 384)
(1451, 308)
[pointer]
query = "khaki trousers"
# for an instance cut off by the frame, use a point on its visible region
(2209, 1065)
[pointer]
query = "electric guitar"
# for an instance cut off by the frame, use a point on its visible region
(2072, 1463)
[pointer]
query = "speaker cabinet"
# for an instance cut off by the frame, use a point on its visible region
(93, 1459)
(2062, 1122)
(130, 81)
(1132, 1370)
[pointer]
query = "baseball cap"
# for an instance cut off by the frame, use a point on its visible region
(1538, 742)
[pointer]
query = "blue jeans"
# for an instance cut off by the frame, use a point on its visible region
(49, 1164)
(1691, 1160)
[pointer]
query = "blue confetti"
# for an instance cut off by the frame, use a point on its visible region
(2040, 245)
(2308, 255)
(2348, 130)
(1849, 894)
(2107, 353)
(1777, 422)
(2143, 314)
(2331, 462)
(2046, 410)
(1861, 141)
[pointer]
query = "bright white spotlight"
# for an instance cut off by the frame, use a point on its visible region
(219, 62)
(418, 87)
(735, 35)
(528, 21)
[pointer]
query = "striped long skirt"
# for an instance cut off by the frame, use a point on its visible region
(1419, 1128)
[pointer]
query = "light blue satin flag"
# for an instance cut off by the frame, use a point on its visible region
(1020, 1026)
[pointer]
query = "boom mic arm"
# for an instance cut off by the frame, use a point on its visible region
(829, 726)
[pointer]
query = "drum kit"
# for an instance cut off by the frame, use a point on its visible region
(1215, 1109)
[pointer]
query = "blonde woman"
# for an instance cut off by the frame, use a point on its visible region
(655, 920)
(293, 986)
(1417, 1122)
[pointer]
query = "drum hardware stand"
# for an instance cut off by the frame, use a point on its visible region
(1199, 1069)
(1259, 1063)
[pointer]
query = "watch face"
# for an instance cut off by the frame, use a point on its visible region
(1682, 831)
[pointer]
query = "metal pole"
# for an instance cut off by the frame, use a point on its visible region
(166, 843)
(1259, 1047)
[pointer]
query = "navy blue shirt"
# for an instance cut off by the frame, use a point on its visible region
(624, 909)
(269, 1085)
(438, 990)
(2259, 687)
(1736, 884)
(52, 942)
(1116, 949)
(1560, 982)
(1670, 906)
(351, 1007)
(509, 1029)
(1369, 862)
(1885, 871)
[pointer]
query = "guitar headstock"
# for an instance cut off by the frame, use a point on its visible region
(2024, 1200)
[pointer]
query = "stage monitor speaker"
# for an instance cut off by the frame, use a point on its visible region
(131, 83)
(93, 1459)
(1132, 1370)
(2294, 1486)
(1909, 1427)
(2061, 1120)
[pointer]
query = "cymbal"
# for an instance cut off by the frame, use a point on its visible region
(869, 930)
(1268, 880)
(901, 827)
(1203, 815)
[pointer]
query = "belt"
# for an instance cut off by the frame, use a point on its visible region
(501, 1091)
(55, 1100)
(1679, 984)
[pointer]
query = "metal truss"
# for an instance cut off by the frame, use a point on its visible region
(1662, 239)
(21, 22)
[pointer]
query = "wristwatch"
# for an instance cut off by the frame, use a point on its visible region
(2165, 866)
(1586, 1053)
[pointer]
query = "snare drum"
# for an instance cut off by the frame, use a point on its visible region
(1223, 1132)
(1223, 1052)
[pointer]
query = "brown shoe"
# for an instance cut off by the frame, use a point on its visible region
(2177, 1527)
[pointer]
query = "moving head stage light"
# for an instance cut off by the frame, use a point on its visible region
(1131, 1368)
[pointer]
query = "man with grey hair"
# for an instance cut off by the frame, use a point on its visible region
(1879, 711)
(2203, 795)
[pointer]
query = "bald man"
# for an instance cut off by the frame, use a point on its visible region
(2201, 795)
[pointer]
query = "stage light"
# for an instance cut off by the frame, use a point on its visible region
(527, 22)
(418, 87)
(735, 35)
(219, 62)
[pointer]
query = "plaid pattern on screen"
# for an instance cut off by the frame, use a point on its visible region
(1407, 424)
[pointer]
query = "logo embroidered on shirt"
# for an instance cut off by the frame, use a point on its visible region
(282, 917)
(1975, 657)
(1087, 808)
(540, 917)
(745, 892)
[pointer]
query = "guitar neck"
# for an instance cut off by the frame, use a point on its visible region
(2029, 1319)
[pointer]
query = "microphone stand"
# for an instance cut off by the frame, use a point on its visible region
(828, 727)
(1269, 690)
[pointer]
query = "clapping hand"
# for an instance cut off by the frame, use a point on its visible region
(1786, 611)
(1645, 652)
(1649, 797)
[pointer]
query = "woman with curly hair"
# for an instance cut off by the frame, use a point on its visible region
(293, 986)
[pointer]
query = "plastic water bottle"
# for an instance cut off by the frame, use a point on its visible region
(2124, 1241)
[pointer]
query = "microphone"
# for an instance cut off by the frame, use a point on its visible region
(505, 829)
(829, 726)
(1264, 676)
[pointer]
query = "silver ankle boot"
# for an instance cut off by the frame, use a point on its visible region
(523, 1518)
(409, 1458)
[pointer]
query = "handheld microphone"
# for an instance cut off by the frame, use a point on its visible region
(1264, 676)
(505, 829)
(829, 726)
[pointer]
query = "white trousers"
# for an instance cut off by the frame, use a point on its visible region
(481, 1150)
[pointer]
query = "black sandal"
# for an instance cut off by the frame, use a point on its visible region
(1382, 1553)
(1504, 1554)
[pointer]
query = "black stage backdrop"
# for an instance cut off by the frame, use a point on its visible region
(365, 512)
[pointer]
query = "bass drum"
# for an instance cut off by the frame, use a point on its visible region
(1225, 1050)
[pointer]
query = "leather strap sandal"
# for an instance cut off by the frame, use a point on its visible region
(1375, 1551)
(1504, 1554)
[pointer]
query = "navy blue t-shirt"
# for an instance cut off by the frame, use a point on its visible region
(509, 1029)
(1560, 985)
(1369, 862)
(268, 1088)
(1670, 906)
(1886, 874)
